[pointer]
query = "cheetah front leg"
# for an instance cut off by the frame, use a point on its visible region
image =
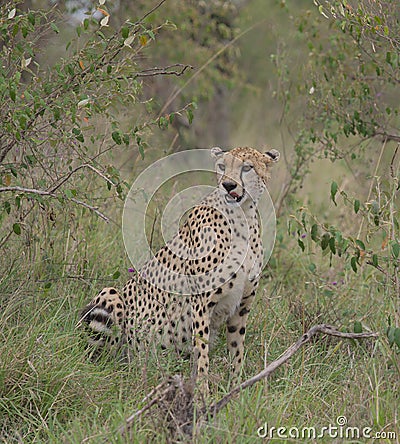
(201, 338)
(236, 332)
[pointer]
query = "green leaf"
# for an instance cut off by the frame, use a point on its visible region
(356, 206)
(353, 263)
(78, 134)
(375, 260)
(332, 245)
(56, 113)
(125, 32)
(314, 233)
(312, 267)
(70, 193)
(357, 327)
(375, 207)
(31, 18)
(397, 336)
(189, 113)
(117, 138)
(395, 250)
(13, 94)
(325, 241)
(17, 229)
(390, 335)
(141, 151)
(301, 244)
(360, 244)
(390, 332)
(116, 275)
(334, 190)
(7, 207)
(54, 28)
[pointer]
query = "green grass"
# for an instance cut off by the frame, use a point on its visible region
(51, 392)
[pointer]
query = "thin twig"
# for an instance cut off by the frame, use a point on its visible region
(175, 94)
(382, 270)
(27, 190)
(85, 165)
(94, 209)
(392, 161)
(150, 12)
(386, 136)
(163, 71)
(48, 193)
(378, 162)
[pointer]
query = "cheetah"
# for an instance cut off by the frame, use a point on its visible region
(206, 276)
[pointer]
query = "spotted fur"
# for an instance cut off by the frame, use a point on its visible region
(206, 276)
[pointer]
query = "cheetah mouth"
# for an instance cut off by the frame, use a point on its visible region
(234, 197)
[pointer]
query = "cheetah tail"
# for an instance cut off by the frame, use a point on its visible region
(103, 317)
(99, 323)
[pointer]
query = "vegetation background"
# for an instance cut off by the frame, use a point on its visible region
(88, 101)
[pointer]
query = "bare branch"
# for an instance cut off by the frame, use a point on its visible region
(392, 161)
(382, 270)
(85, 165)
(50, 194)
(174, 387)
(94, 209)
(27, 190)
(316, 329)
(150, 12)
(164, 71)
(388, 137)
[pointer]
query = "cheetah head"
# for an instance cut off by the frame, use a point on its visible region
(243, 172)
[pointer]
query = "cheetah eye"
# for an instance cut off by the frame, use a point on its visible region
(221, 167)
(247, 168)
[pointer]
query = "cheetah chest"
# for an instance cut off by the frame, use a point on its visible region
(246, 265)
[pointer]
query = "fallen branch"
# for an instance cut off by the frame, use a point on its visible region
(316, 329)
(181, 413)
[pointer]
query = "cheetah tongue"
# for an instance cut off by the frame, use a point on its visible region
(234, 195)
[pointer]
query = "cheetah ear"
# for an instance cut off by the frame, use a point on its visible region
(273, 155)
(216, 152)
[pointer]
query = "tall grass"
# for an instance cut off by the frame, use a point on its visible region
(51, 392)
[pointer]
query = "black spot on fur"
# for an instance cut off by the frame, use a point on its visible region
(243, 311)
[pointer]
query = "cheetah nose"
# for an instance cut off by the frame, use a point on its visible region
(229, 186)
